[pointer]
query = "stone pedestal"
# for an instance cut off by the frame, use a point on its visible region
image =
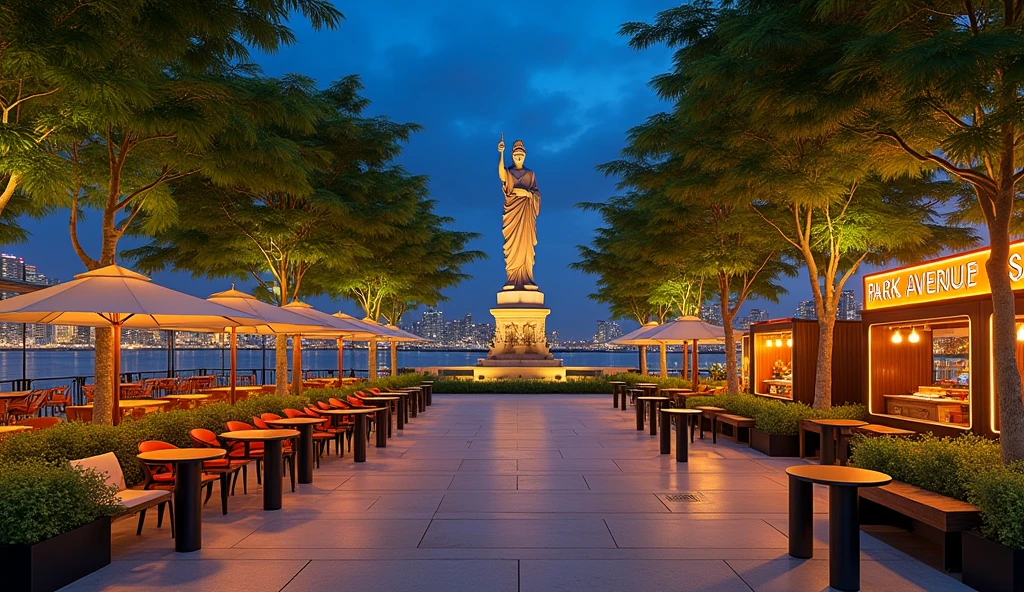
(520, 336)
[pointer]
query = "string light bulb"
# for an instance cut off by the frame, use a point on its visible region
(778, 343)
(789, 342)
(913, 337)
(768, 342)
(897, 337)
(1020, 332)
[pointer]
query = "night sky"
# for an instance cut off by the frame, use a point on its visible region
(554, 74)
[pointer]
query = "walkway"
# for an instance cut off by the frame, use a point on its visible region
(505, 493)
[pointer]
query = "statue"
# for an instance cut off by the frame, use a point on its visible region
(519, 223)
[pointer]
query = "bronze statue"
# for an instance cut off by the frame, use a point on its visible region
(519, 223)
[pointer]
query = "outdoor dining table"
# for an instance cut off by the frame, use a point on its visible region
(418, 398)
(616, 387)
(14, 429)
(684, 423)
(188, 480)
(10, 396)
(830, 429)
(428, 391)
(304, 425)
(128, 404)
(359, 435)
(651, 404)
(273, 472)
(382, 439)
(413, 403)
(843, 521)
(226, 390)
(650, 388)
(675, 393)
(403, 406)
(191, 400)
(711, 413)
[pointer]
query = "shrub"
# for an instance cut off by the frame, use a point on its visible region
(774, 416)
(39, 500)
(570, 385)
(999, 494)
(948, 466)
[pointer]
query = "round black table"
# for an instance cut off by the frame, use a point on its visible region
(403, 406)
(843, 520)
(383, 418)
(633, 394)
(428, 391)
(684, 423)
(616, 387)
(305, 452)
(359, 434)
(830, 428)
(414, 400)
(272, 459)
(651, 404)
(711, 413)
(188, 479)
(650, 388)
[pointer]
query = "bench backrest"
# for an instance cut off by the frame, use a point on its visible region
(106, 465)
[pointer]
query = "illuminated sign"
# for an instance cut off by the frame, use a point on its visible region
(957, 276)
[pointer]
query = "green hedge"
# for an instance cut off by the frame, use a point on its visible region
(774, 416)
(39, 501)
(69, 441)
(968, 468)
(388, 382)
(573, 386)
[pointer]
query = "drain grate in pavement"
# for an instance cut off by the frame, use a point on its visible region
(684, 497)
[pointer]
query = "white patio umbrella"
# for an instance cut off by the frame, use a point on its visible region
(686, 329)
(399, 335)
(274, 320)
(636, 337)
(372, 331)
(334, 326)
(116, 297)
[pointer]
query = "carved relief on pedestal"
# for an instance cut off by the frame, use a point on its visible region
(519, 337)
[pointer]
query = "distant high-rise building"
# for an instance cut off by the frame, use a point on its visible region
(606, 331)
(848, 309)
(756, 315)
(806, 310)
(712, 313)
(432, 325)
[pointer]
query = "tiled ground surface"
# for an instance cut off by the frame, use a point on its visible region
(503, 493)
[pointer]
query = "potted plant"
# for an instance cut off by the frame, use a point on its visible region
(54, 525)
(993, 560)
(777, 428)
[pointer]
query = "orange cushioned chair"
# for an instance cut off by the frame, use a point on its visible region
(203, 438)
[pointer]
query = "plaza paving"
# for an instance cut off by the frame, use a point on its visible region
(504, 493)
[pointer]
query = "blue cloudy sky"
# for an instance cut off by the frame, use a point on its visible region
(553, 73)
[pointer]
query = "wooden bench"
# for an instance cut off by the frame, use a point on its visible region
(740, 426)
(912, 505)
(872, 429)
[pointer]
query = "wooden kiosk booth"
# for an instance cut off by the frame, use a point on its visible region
(783, 356)
(928, 336)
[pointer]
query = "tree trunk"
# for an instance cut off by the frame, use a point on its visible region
(297, 364)
(663, 359)
(823, 369)
(732, 374)
(643, 360)
(684, 370)
(394, 358)
(281, 364)
(1004, 343)
(371, 360)
(103, 402)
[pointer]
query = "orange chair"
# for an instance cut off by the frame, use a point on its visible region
(161, 476)
(257, 447)
(78, 413)
(203, 438)
(89, 392)
(57, 398)
(39, 423)
(342, 428)
(27, 406)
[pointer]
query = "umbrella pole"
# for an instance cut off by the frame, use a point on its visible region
(394, 358)
(684, 371)
(696, 373)
(234, 363)
(115, 403)
(341, 357)
(663, 360)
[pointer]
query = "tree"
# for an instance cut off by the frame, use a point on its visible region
(629, 281)
(698, 219)
(191, 115)
(757, 74)
(942, 85)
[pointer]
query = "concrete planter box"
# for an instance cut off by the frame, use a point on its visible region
(990, 566)
(55, 563)
(774, 444)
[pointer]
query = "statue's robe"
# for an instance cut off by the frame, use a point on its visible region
(519, 226)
